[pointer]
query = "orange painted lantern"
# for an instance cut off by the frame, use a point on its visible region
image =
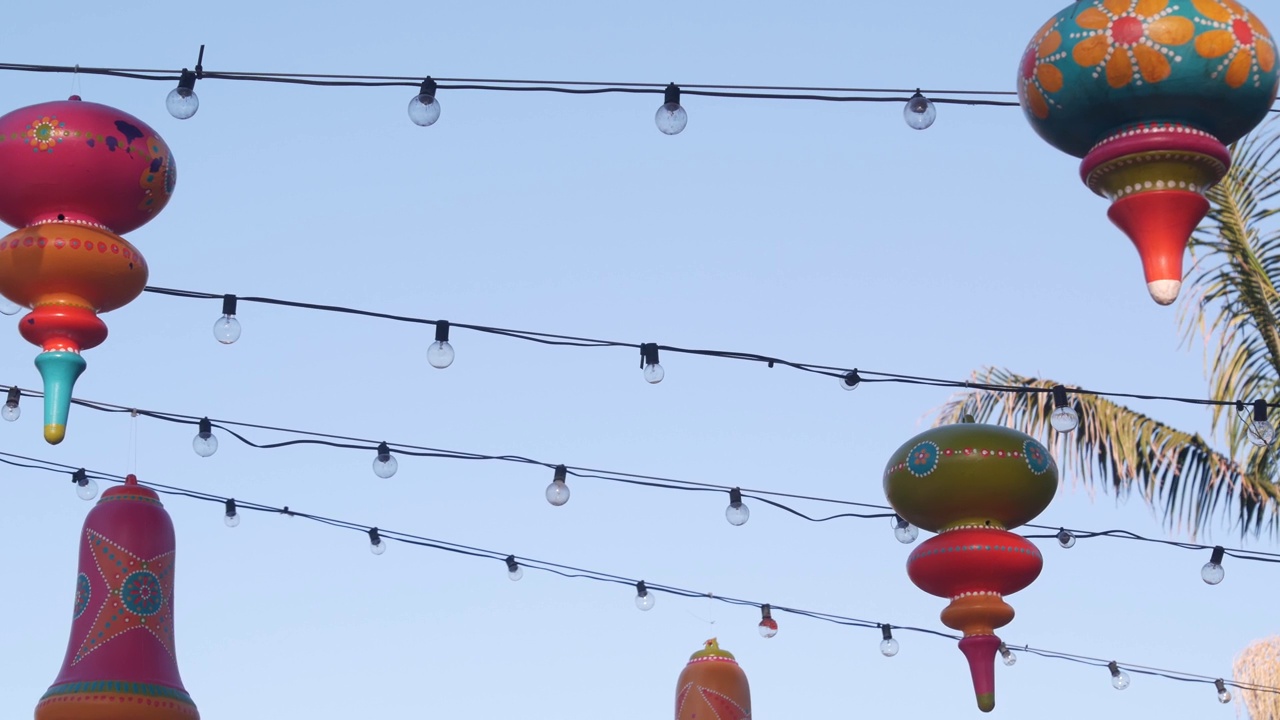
(1149, 93)
(972, 484)
(76, 176)
(121, 663)
(713, 687)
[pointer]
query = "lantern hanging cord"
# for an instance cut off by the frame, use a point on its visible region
(569, 571)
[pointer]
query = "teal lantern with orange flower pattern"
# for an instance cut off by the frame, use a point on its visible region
(1149, 93)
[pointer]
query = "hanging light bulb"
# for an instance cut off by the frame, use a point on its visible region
(671, 118)
(182, 102)
(768, 626)
(11, 411)
(1064, 418)
(377, 545)
(1119, 678)
(850, 380)
(440, 354)
(385, 464)
(644, 598)
(737, 513)
(905, 532)
(1009, 658)
(1212, 572)
(8, 307)
(227, 328)
(1066, 539)
(231, 517)
(86, 487)
(1224, 695)
(205, 442)
(1261, 432)
(888, 646)
(514, 571)
(919, 111)
(558, 490)
(653, 372)
(424, 109)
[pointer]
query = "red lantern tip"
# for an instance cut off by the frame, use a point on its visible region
(131, 479)
(75, 98)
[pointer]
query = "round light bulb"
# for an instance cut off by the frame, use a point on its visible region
(424, 110)
(889, 647)
(440, 354)
(11, 411)
(182, 103)
(515, 574)
(1120, 680)
(379, 547)
(227, 329)
(849, 383)
(1009, 658)
(1064, 419)
(737, 514)
(1261, 433)
(205, 444)
(654, 373)
(1212, 573)
(1224, 696)
(906, 533)
(557, 493)
(1066, 539)
(919, 112)
(87, 490)
(671, 118)
(8, 307)
(645, 602)
(768, 627)
(232, 520)
(385, 465)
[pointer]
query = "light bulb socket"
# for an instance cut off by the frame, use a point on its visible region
(648, 354)
(80, 477)
(851, 379)
(428, 87)
(735, 497)
(383, 451)
(229, 305)
(642, 590)
(671, 95)
(1216, 557)
(899, 521)
(442, 331)
(1220, 685)
(231, 507)
(1059, 396)
(1114, 668)
(14, 397)
(766, 612)
(1259, 410)
(187, 81)
(562, 474)
(886, 631)
(206, 428)
(374, 537)
(512, 565)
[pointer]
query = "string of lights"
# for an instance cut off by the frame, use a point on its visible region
(86, 482)
(385, 465)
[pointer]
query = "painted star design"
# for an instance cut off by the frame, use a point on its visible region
(139, 596)
(721, 706)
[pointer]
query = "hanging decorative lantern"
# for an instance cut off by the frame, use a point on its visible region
(972, 484)
(1149, 93)
(121, 663)
(76, 176)
(713, 687)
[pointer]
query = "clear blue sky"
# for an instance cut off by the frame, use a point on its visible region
(828, 233)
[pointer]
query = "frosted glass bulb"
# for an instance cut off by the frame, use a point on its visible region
(8, 307)
(1120, 680)
(671, 118)
(385, 465)
(205, 444)
(227, 329)
(919, 112)
(1224, 696)
(232, 520)
(768, 628)
(1212, 573)
(1066, 539)
(516, 574)
(424, 110)
(11, 411)
(558, 493)
(440, 354)
(1064, 419)
(737, 514)
(889, 647)
(906, 533)
(1009, 658)
(645, 602)
(379, 547)
(850, 381)
(1261, 433)
(88, 489)
(653, 373)
(182, 103)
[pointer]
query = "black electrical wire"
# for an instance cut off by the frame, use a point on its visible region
(569, 571)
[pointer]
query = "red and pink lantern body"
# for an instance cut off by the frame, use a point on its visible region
(713, 686)
(121, 661)
(76, 175)
(971, 484)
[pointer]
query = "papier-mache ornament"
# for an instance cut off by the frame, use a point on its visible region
(74, 176)
(713, 686)
(972, 483)
(1150, 93)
